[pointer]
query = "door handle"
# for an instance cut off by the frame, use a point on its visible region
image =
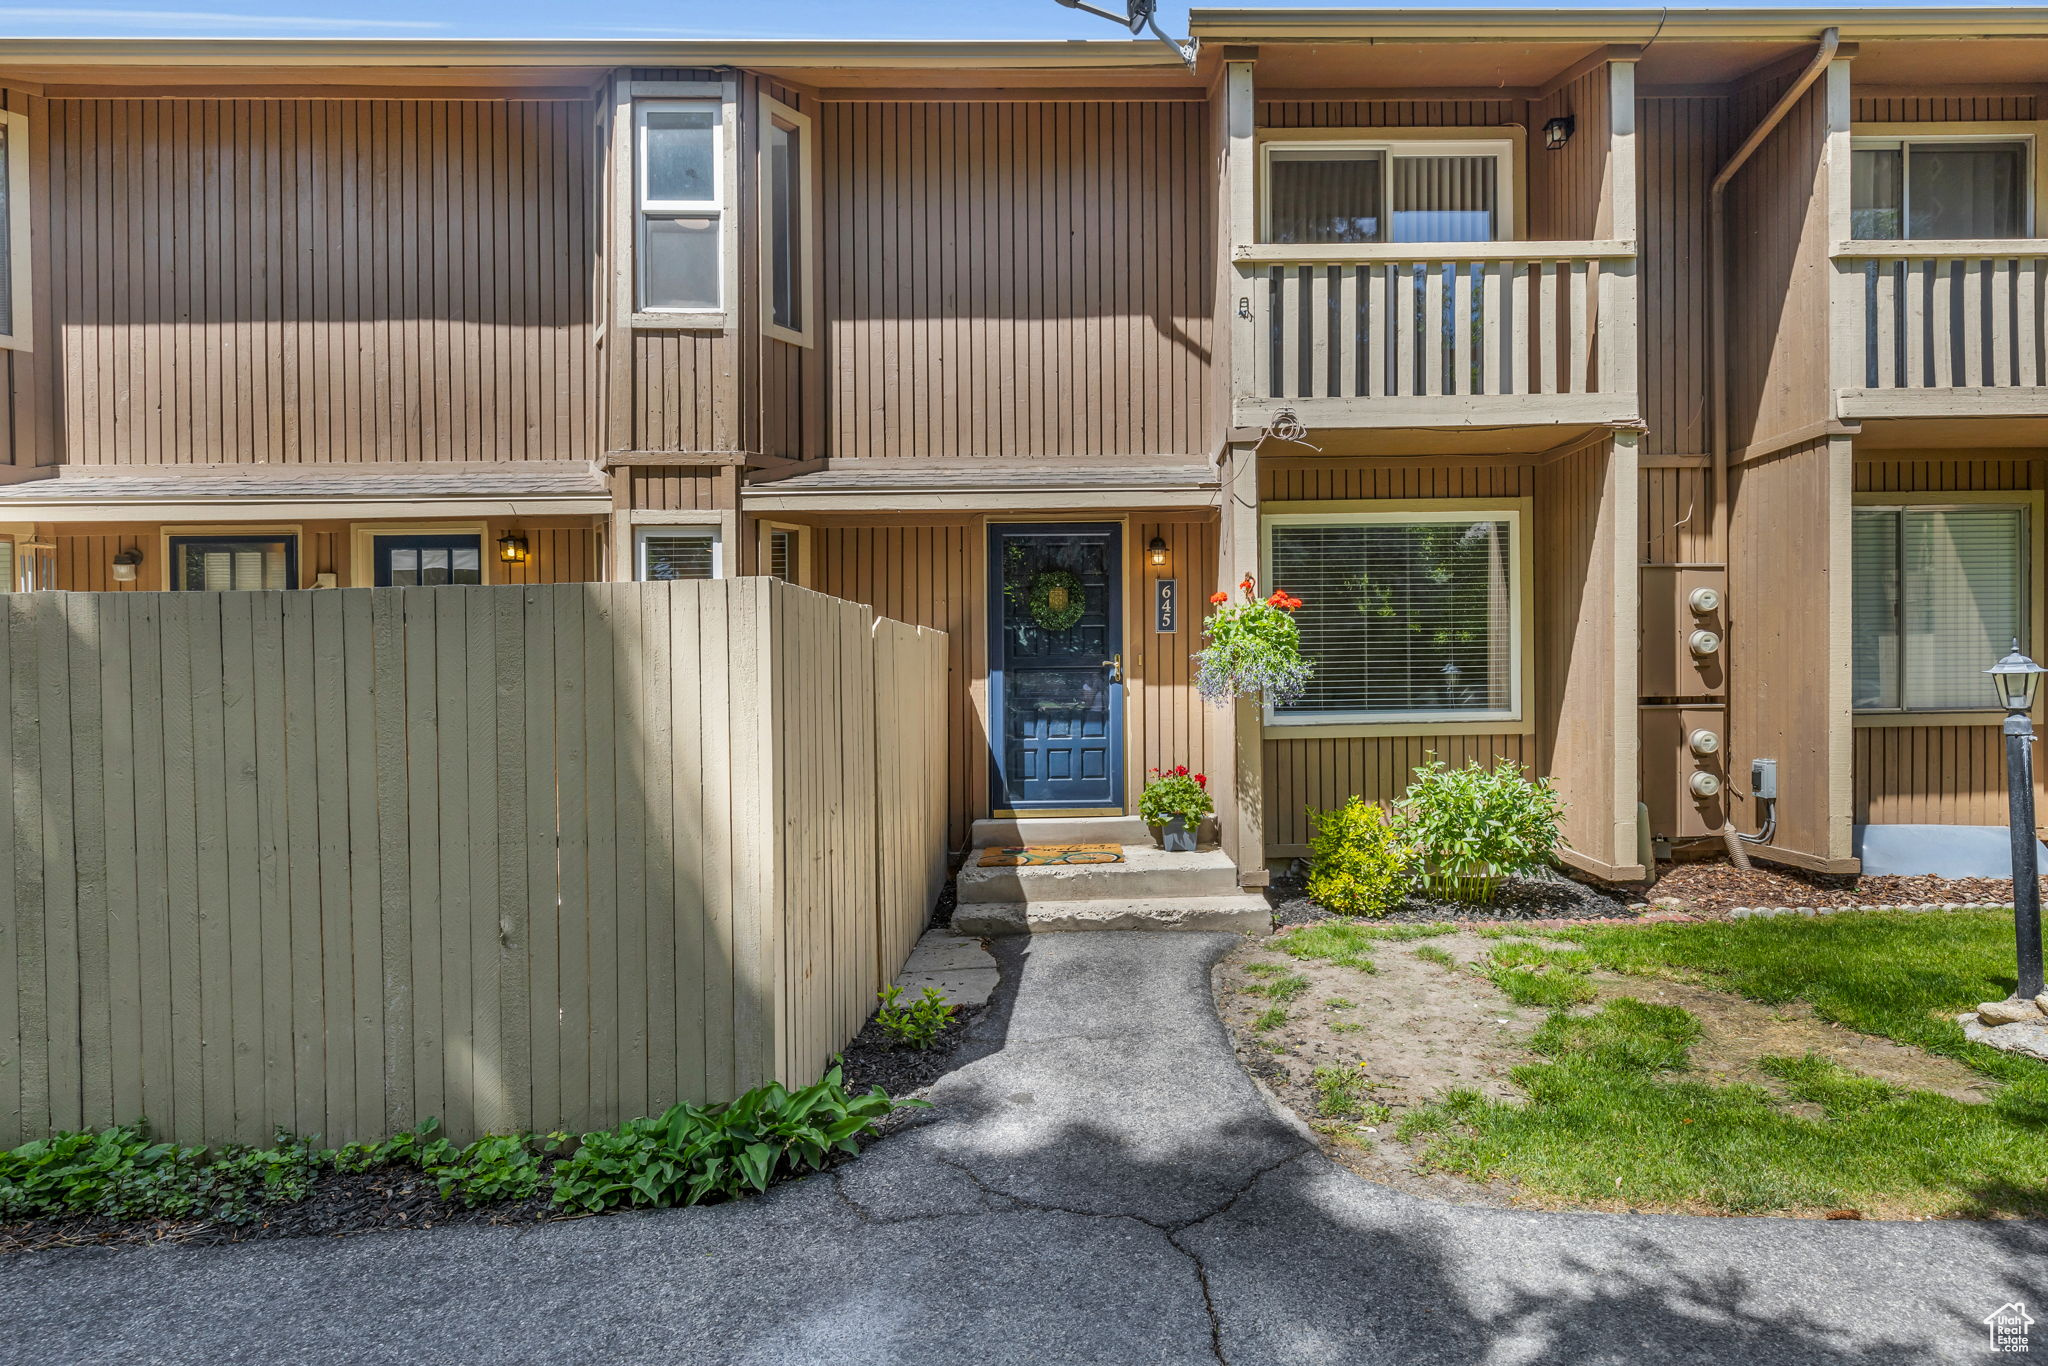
(1115, 665)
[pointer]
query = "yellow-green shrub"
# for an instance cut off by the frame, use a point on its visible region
(1358, 864)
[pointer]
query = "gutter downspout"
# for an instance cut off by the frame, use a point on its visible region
(1717, 312)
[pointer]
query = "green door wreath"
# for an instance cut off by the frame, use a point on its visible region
(1057, 600)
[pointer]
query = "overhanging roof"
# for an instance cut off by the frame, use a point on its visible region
(1613, 25)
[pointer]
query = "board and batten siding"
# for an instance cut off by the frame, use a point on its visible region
(1017, 279)
(1945, 774)
(515, 858)
(283, 281)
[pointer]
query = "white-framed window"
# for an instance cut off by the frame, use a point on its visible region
(228, 561)
(1409, 616)
(14, 233)
(664, 553)
(1434, 191)
(10, 572)
(1942, 186)
(788, 221)
(785, 553)
(1940, 592)
(679, 200)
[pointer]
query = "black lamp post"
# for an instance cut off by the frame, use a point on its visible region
(2018, 679)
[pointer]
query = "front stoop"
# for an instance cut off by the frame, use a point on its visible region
(1150, 890)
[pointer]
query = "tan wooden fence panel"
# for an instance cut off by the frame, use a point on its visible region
(525, 857)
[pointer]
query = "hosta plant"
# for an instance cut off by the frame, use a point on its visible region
(1254, 648)
(1472, 826)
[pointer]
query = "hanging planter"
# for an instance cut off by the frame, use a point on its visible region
(1057, 600)
(1254, 649)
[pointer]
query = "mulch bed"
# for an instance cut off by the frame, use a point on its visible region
(1715, 886)
(394, 1198)
(874, 1059)
(1518, 898)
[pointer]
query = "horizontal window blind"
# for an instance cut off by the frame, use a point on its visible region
(224, 564)
(1940, 594)
(8, 572)
(782, 555)
(1401, 618)
(676, 555)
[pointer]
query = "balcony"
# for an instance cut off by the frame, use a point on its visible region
(1466, 335)
(1941, 329)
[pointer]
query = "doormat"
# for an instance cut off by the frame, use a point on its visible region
(1043, 855)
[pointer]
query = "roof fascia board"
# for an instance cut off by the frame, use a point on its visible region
(294, 52)
(1495, 25)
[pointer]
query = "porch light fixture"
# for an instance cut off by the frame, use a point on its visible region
(1559, 130)
(126, 564)
(2017, 679)
(1156, 549)
(512, 548)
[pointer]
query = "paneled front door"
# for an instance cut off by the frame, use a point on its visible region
(1056, 689)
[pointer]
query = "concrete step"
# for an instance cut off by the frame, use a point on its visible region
(1003, 831)
(1244, 913)
(1145, 874)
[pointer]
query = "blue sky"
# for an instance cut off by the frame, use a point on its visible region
(623, 19)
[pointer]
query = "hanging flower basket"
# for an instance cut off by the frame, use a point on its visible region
(1057, 600)
(1254, 649)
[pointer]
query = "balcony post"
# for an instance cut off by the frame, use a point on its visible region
(1615, 321)
(1241, 204)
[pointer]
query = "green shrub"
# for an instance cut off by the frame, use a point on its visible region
(1358, 862)
(689, 1154)
(122, 1174)
(1472, 826)
(917, 1025)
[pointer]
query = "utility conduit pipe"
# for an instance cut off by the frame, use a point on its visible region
(1717, 313)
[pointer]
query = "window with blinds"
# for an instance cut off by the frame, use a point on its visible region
(8, 573)
(683, 553)
(1404, 619)
(1940, 189)
(1939, 595)
(782, 555)
(1357, 194)
(212, 564)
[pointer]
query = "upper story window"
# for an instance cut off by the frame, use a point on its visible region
(1939, 593)
(786, 222)
(679, 193)
(1360, 192)
(1942, 188)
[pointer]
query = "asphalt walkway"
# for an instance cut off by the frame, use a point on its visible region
(1100, 1184)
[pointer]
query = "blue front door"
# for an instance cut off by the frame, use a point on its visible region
(1056, 666)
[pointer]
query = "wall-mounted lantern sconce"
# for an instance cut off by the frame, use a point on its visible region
(126, 564)
(1558, 131)
(1157, 551)
(512, 548)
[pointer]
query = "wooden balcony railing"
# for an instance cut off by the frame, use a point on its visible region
(1941, 328)
(1400, 335)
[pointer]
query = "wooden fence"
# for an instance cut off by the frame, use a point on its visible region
(522, 857)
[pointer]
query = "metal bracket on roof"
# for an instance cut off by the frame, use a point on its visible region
(1138, 16)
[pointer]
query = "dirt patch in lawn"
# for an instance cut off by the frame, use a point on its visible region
(1415, 1028)
(1715, 886)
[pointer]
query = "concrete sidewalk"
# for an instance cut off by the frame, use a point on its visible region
(1101, 1184)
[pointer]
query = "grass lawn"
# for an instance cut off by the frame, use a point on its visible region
(1614, 1116)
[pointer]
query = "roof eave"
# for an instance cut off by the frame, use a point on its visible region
(1610, 25)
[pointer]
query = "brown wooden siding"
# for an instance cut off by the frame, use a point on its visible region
(1779, 270)
(1016, 279)
(1568, 187)
(1674, 517)
(313, 280)
(1280, 112)
(1171, 725)
(1682, 143)
(1939, 775)
(669, 488)
(1788, 606)
(1944, 108)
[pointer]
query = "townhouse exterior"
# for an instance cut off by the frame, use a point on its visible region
(1635, 395)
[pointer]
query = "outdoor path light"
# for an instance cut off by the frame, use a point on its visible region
(2017, 679)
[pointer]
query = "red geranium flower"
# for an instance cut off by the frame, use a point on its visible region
(1218, 598)
(1202, 779)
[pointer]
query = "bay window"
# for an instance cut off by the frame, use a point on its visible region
(1409, 616)
(1940, 592)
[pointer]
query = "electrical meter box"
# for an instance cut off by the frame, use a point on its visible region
(1684, 630)
(1685, 769)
